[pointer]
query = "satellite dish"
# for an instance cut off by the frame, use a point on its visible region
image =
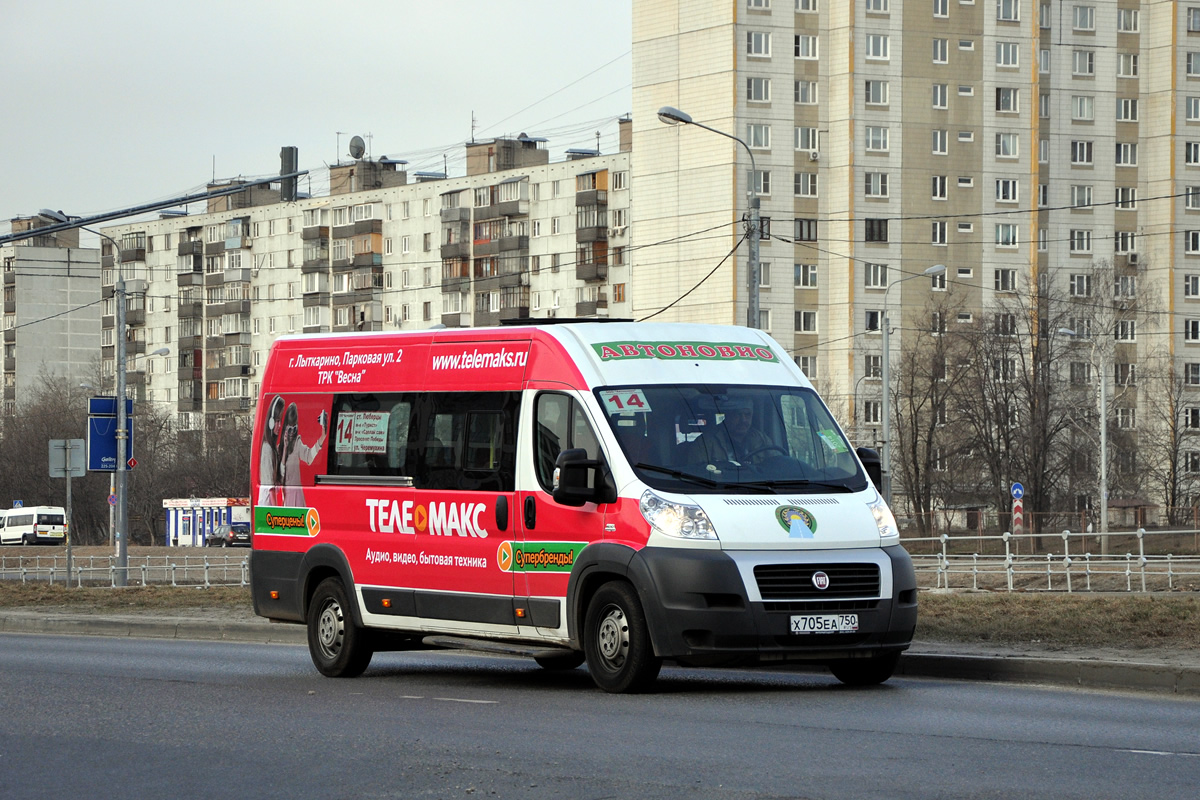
(357, 147)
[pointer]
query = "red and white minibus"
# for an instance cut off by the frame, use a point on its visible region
(615, 492)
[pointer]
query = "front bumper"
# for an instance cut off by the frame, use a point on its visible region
(698, 606)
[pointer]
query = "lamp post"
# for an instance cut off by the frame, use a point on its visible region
(886, 455)
(119, 477)
(673, 116)
(1102, 377)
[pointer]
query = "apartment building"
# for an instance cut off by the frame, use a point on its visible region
(1014, 142)
(518, 236)
(51, 310)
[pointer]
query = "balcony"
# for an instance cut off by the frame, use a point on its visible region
(591, 197)
(365, 226)
(457, 250)
(236, 307)
(108, 321)
(190, 278)
(368, 260)
(311, 299)
(10, 278)
(10, 365)
(190, 403)
(190, 263)
(343, 231)
(511, 208)
(487, 247)
(10, 306)
(596, 234)
(318, 264)
(509, 243)
(448, 320)
(518, 312)
(190, 247)
(214, 248)
(133, 254)
(10, 335)
(456, 215)
(135, 348)
(315, 232)
(591, 272)
(187, 343)
(238, 242)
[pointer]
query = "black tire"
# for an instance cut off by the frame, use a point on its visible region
(865, 671)
(620, 656)
(339, 648)
(561, 661)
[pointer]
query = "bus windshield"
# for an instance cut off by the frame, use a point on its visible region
(714, 438)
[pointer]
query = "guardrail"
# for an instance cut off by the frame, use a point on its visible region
(1012, 562)
(168, 570)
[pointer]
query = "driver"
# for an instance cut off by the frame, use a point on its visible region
(735, 439)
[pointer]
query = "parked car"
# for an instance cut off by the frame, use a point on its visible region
(235, 535)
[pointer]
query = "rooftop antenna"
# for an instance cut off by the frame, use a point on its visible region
(597, 142)
(472, 127)
(445, 166)
(340, 134)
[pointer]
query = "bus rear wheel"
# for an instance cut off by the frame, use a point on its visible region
(620, 656)
(339, 648)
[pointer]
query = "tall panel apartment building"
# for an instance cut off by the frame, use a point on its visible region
(51, 311)
(1012, 141)
(517, 236)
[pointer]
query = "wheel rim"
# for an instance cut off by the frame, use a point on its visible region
(613, 637)
(331, 630)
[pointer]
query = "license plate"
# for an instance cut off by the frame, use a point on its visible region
(825, 623)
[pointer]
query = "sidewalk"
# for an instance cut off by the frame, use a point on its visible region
(1174, 672)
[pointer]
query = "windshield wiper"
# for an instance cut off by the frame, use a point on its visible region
(799, 483)
(693, 478)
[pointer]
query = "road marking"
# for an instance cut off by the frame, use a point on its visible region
(1160, 753)
(412, 697)
(464, 700)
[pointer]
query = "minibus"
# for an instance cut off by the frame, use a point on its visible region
(34, 525)
(614, 493)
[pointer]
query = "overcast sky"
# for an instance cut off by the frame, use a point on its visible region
(114, 104)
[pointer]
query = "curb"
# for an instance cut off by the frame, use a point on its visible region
(1083, 673)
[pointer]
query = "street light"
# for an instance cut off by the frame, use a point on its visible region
(119, 477)
(1103, 395)
(886, 455)
(673, 116)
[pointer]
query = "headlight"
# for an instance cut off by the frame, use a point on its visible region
(883, 518)
(680, 520)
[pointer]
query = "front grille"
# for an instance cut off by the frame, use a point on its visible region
(820, 606)
(794, 581)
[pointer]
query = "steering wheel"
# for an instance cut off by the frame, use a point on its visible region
(767, 447)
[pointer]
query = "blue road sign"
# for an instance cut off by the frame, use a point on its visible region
(102, 444)
(1018, 491)
(107, 406)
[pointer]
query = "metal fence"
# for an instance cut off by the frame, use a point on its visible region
(1127, 561)
(226, 569)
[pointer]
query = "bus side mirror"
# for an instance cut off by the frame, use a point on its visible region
(572, 471)
(873, 466)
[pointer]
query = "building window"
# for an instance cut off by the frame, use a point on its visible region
(808, 322)
(1125, 330)
(806, 184)
(1191, 106)
(940, 51)
(1081, 241)
(1084, 18)
(938, 187)
(1007, 54)
(1083, 108)
(1008, 145)
(938, 233)
(877, 46)
(758, 90)
(1008, 190)
(876, 230)
(875, 184)
(760, 181)
(806, 276)
(1127, 20)
(1127, 197)
(807, 47)
(1127, 154)
(1127, 65)
(876, 93)
(875, 276)
(1193, 64)
(806, 93)
(1005, 280)
(1127, 109)
(940, 143)
(1006, 234)
(877, 138)
(1083, 62)
(805, 230)
(758, 136)
(1008, 99)
(808, 139)
(872, 412)
(1081, 152)
(758, 43)
(940, 95)
(1008, 10)
(873, 320)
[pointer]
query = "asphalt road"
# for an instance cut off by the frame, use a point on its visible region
(104, 717)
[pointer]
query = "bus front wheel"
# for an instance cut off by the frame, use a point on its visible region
(620, 656)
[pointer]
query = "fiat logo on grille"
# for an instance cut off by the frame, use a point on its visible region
(820, 580)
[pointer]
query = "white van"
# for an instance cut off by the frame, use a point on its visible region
(34, 525)
(620, 493)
